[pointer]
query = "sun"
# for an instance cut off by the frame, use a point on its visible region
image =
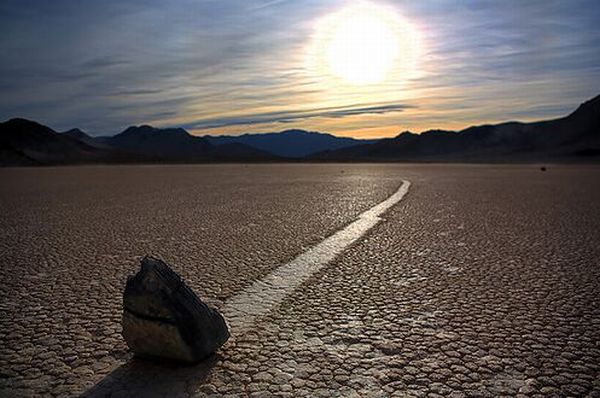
(362, 44)
(363, 47)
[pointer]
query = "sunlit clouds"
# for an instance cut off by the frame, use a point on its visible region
(361, 68)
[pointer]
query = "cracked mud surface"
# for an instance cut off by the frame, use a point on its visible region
(70, 236)
(483, 281)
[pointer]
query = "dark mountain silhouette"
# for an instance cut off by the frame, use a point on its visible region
(569, 138)
(235, 152)
(176, 144)
(290, 143)
(84, 137)
(23, 142)
(165, 143)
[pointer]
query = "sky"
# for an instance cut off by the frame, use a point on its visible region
(238, 66)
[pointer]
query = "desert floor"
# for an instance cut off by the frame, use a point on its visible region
(484, 280)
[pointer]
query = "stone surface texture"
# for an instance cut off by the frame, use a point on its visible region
(162, 317)
(484, 281)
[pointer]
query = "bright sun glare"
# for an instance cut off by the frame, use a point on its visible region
(363, 43)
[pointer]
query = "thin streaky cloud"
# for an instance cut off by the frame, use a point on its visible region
(289, 116)
(267, 4)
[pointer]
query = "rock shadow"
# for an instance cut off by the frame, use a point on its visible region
(141, 377)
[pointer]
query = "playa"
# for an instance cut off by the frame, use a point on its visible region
(484, 280)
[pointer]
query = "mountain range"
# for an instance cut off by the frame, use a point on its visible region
(575, 137)
(291, 143)
(24, 142)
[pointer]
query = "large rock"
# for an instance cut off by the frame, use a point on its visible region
(162, 317)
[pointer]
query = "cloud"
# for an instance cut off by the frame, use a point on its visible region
(208, 63)
(290, 116)
(99, 63)
(268, 4)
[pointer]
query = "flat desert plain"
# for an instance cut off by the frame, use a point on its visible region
(483, 280)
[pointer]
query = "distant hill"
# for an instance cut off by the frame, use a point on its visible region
(290, 143)
(84, 137)
(574, 137)
(23, 142)
(164, 143)
(176, 144)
